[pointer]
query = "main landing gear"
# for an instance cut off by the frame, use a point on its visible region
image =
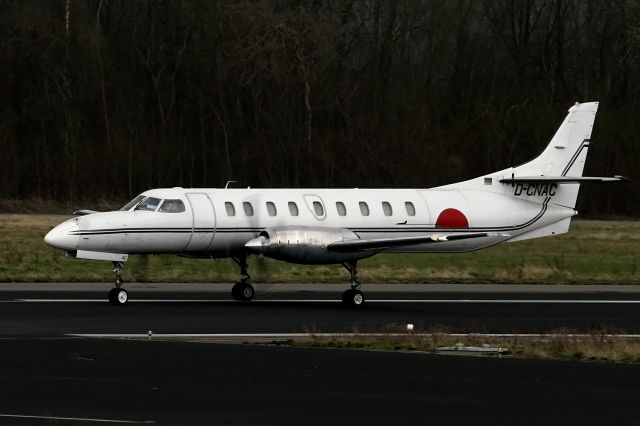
(353, 296)
(118, 295)
(243, 290)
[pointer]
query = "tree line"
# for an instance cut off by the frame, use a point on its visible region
(102, 99)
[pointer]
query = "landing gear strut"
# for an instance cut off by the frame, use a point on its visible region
(243, 290)
(118, 295)
(353, 296)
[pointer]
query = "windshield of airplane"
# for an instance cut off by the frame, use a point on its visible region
(131, 203)
(149, 203)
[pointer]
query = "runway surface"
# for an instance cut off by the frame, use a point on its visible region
(40, 310)
(80, 381)
(47, 377)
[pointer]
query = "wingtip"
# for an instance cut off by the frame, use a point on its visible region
(624, 179)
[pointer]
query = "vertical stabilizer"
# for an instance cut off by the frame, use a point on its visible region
(566, 153)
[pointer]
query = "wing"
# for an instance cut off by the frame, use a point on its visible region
(383, 243)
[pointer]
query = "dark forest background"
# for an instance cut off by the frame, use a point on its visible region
(102, 99)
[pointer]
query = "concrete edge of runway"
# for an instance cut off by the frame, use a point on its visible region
(251, 338)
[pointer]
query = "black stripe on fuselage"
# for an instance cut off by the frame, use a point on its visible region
(165, 231)
(396, 229)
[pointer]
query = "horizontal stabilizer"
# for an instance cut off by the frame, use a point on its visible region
(383, 243)
(563, 179)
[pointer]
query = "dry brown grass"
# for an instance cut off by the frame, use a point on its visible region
(565, 345)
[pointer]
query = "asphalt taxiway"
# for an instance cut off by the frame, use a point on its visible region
(47, 376)
(86, 381)
(41, 310)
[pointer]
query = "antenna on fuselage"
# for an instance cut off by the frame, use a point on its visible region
(228, 182)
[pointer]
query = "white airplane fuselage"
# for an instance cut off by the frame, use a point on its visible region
(215, 222)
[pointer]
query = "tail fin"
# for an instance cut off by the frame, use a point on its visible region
(566, 153)
(552, 179)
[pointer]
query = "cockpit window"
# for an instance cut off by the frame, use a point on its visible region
(172, 206)
(132, 203)
(149, 203)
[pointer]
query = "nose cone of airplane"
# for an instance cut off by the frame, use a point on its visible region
(64, 236)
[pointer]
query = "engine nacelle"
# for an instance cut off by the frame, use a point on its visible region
(304, 244)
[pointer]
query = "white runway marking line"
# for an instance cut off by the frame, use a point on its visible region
(77, 419)
(503, 301)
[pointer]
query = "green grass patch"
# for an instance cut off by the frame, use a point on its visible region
(592, 252)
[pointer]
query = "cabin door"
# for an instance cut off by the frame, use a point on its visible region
(204, 222)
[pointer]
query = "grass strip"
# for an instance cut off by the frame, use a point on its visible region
(593, 252)
(561, 344)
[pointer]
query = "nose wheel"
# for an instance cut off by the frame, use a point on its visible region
(118, 295)
(353, 297)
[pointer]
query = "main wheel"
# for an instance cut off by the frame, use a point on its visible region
(118, 296)
(353, 297)
(243, 291)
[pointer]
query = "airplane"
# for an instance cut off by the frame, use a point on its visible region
(341, 226)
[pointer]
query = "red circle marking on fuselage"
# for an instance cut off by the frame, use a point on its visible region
(452, 218)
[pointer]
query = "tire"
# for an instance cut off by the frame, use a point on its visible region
(353, 298)
(118, 296)
(346, 297)
(246, 292)
(243, 291)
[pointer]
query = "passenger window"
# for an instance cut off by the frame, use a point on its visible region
(411, 210)
(364, 208)
(293, 208)
(149, 204)
(271, 208)
(342, 210)
(386, 208)
(318, 209)
(231, 210)
(172, 206)
(248, 208)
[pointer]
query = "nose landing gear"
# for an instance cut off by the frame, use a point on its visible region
(354, 296)
(118, 295)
